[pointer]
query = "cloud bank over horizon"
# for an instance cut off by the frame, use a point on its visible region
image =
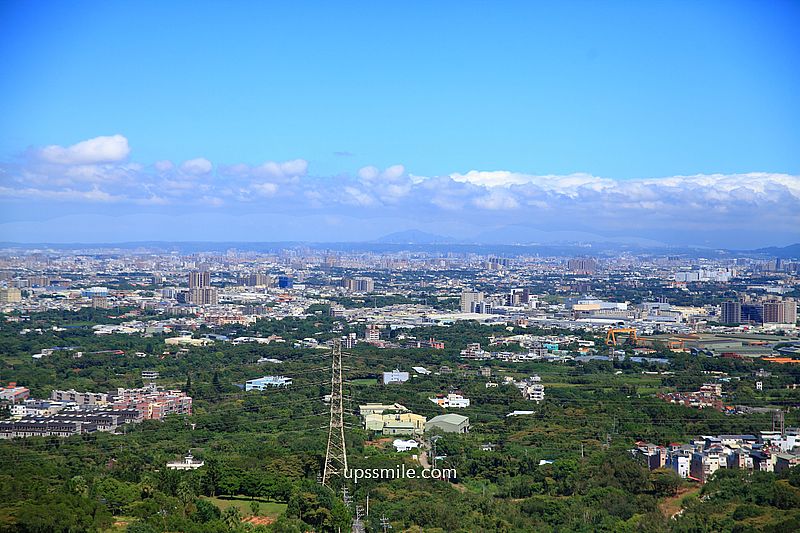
(44, 187)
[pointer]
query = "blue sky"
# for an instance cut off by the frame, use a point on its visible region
(318, 121)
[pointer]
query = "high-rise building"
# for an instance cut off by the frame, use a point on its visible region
(372, 334)
(582, 265)
(200, 290)
(100, 302)
(789, 312)
(199, 279)
(774, 312)
(10, 295)
(38, 281)
(257, 279)
(469, 300)
(753, 313)
(731, 312)
(203, 296)
(361, 284)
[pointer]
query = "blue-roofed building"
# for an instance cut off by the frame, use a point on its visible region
(267, 382)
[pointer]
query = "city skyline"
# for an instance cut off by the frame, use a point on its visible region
(534, 124)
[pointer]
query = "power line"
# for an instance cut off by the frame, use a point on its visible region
(336, 453)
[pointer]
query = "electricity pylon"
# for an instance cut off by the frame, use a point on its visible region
(336, 454)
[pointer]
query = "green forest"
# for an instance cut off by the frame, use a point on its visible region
(567, 466)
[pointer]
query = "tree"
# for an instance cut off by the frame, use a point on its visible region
(185, 494)
(254, 507)
(206, 511)
(665, 482)
(79, 486)
(232, 518)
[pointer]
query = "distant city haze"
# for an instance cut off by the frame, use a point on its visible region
(642, 124)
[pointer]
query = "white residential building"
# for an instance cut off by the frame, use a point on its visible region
(188, 463)
(451, 400)
(395, 376)
(267, 382)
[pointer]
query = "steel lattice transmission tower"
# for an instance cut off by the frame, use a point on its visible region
(336, 454)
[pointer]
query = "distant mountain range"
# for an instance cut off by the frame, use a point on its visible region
(784, 252)
(518, 241)
(517, 234)
(415, 236)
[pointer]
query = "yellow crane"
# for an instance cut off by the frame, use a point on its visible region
(611, 335)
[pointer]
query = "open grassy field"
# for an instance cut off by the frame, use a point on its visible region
(266, 508)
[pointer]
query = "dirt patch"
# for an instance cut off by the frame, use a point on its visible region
(378, 443)
(671, 506)
(259, 520)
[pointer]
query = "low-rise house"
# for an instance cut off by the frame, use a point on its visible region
(474, 351)
(188, 463)
(700, 458)
(379, 408)
(452, 400)
(80, 398)
(680, 462)
(397, 423)
(401, 445)
(448, 423)
(153, 402)
(43, 427)
(705, 463)
(13, 394)
(395, 376)
(33, 407)
(785, 461)
(187, 341)
(267, 382)
(67, 423)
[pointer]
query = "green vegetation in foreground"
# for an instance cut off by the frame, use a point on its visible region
(269, 447)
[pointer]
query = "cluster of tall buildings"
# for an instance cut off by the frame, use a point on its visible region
(582, 265)
(473, 302)
(359, 284)
(256, 279)
(766, 311)
(722, 275)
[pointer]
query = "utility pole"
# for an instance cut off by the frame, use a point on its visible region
(336, 453)
(385, 524)
(346, 497)
(777, 421)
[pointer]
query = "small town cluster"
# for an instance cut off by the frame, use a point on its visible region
(69, 412)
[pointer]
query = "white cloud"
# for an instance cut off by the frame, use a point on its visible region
(371, 174)
(164, 166)
(266, 189)
(355, 196)
(496, 200)
(368, 173)
(294, 168)
(107, 149)
(197, 167)
(92, 195)
(94, 172)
